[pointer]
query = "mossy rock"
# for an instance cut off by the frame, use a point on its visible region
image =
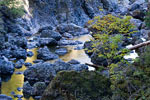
(71, 85)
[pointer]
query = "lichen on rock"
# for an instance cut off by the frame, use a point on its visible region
(72, 85)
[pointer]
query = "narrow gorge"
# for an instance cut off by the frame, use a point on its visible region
(50, 52)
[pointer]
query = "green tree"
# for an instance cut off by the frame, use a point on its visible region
(15, 8)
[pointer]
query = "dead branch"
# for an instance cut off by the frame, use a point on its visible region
(139, 45)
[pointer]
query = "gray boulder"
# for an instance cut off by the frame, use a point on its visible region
(4, 97)
(30, 54)
(45, 54)
(19, 63)
(134, 7)
(72, 85)
(51, 34)
(19, 53)
(73, 61)
(27, 89)
(38, 88)
(39, 75)
(41, 72)
(45, 28)
(6, 67)
(61, 51)
(138, 23)
(72, 29)
(47, 42)
(138, 14)
(65, 42)
(0, 81)
(67, 35)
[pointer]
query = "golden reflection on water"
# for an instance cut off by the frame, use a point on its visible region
(77, 54)
(17, 80)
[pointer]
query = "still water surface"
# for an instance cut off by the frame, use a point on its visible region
(17, 80)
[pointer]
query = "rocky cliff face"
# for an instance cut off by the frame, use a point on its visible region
(40, 13)
(52, 12)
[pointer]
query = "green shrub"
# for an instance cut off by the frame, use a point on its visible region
(128, 81)
(147, 19)
(110, 24)
(15, 8)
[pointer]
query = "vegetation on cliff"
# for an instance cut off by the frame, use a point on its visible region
(128, 80)
(14, 7)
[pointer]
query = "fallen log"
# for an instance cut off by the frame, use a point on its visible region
(139, 45)
(93, 65)
(130, 48)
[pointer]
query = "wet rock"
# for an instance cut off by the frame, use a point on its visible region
(45, 28)
(72, 29)
(145, 33)
(4, 97)
(6, 67)
(19, 63)
(47, 42)
(88, 46)
(41, 72)
(45, 72)
(30, 54)
(51, 34)
(139, 2)
(78, 48)
(19, 99)
(19, 53)
(67, 35)
(79, 67)
(33, 45)
(19, 88)
(12, 93)
(38, 88)
(68, 42)
(27, 34)
(45, 54)
(37, 97)
(18, 72)
(27, 89)
(134, 7)
(61, 65)
(27, 64)
(136, 22)
(73, 61)
(78, 85)
(7, 53)
(61, 51)
(38, 61)
(2, 38)
(0, 81)
(138, 14)
(12, 59)
(19, 41)
(18, 96)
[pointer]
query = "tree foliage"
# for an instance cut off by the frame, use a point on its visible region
(15, 8)
(129, 81)
(110, 24)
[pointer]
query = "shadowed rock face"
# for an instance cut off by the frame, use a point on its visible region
(59, 11)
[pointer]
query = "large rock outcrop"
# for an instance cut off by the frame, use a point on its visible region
(40, 13)
(45, 72)
(71, 85)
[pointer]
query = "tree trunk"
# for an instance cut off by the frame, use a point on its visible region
(139, 45)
